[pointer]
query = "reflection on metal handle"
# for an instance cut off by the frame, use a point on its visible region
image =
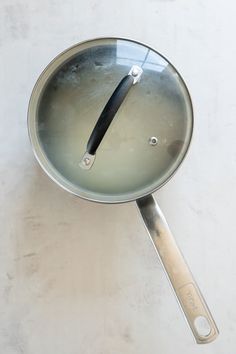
(108, 114)
(188, 294)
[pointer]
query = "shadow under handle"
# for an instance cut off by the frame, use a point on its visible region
(187, 292)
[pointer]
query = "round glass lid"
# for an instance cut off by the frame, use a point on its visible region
(146, 139)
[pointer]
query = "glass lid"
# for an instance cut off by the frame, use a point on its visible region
(148, 132)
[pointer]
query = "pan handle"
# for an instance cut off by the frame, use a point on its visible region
(186, 290)
(108, 114)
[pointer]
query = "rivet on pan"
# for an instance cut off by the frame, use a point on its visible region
(153, 141)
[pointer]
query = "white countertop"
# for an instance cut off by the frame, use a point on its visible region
(78, 277)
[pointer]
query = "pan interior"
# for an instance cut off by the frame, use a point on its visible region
(73, 91)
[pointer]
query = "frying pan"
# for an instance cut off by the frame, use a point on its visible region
(110, 120)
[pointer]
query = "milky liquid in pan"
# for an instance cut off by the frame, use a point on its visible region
(125, 161)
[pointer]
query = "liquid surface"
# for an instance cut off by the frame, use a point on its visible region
(126, 163)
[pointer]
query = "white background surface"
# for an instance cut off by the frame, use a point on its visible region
(78, 277)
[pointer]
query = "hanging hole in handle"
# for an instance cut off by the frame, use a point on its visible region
(202, 326)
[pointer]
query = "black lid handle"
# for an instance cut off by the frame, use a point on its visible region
(108, 114)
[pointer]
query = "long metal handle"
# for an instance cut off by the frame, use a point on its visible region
(107, 115)
(188, 294)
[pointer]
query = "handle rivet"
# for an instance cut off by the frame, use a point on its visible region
(87, 161)
(135, 72)
(153, 141)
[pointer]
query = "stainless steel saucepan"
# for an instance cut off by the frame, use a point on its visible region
(110, 120)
